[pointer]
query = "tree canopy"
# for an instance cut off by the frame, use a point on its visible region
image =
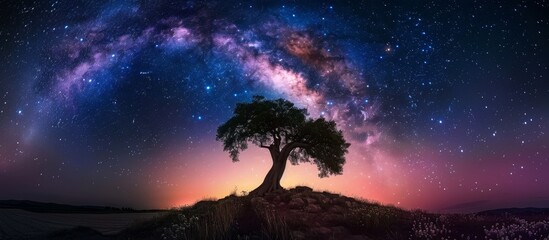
(286, 131)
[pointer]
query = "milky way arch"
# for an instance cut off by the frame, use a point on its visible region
(296, 63)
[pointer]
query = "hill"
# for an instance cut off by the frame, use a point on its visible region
(301, 213)
(523, 212)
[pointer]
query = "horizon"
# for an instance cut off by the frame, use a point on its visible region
(117, 103)
(461, 208)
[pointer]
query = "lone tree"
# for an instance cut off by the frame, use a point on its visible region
(284, 130)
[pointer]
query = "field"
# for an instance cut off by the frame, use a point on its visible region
(20, 224)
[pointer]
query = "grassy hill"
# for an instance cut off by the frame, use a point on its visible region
(301, 213)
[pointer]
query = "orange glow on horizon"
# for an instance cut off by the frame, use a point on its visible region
(211, 174)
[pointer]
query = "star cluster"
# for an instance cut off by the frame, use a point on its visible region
(117, 102)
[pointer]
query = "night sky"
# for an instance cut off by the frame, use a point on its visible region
(445, 103)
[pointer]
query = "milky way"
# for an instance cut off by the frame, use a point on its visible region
(443, 105)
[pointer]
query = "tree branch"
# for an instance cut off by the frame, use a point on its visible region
(263, 146)
(276, 139)
(278, 135)
(290, 146)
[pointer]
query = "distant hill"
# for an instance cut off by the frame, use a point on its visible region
(515, 212)
(42, 207)
(485, 207)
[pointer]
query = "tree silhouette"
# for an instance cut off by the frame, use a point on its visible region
(284, 130)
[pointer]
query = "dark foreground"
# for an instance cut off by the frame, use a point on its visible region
(298, 213)
(22, 224)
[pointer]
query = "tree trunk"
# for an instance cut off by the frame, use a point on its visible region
(280, 157)
(272, 180)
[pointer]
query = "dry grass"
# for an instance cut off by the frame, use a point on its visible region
(273, 226)
(206, 220)
(223, 219)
